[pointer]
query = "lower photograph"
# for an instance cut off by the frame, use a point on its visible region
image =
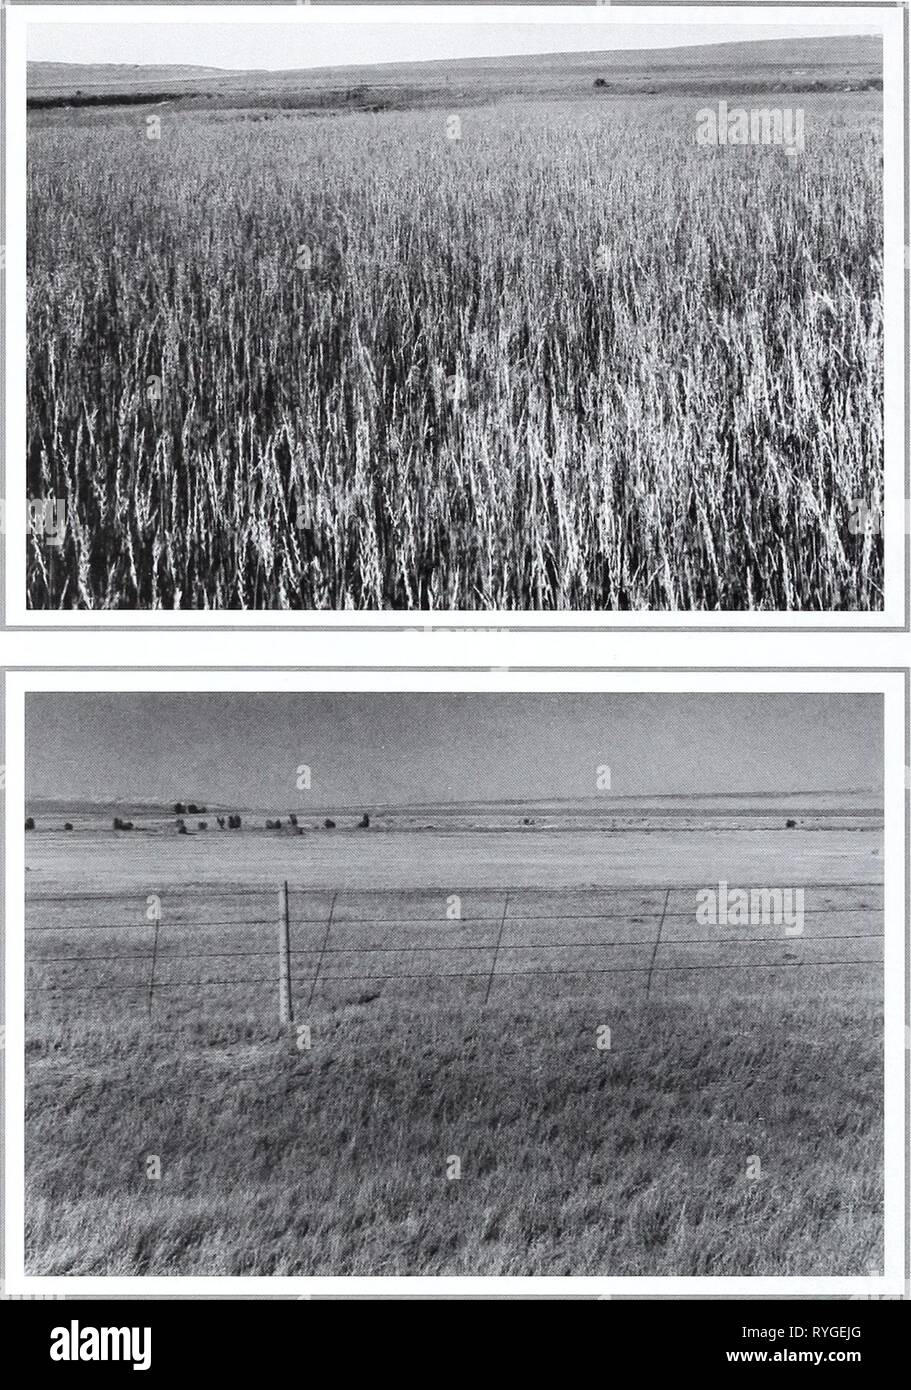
(330, 979)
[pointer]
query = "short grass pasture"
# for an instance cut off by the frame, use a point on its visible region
(553, 1081)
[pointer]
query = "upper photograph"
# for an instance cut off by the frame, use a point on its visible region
(553, 316)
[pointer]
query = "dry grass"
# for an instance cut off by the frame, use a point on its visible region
(569, 361)
(333, 1159)
(574, 1160)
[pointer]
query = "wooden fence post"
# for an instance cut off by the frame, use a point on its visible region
(322, 951)
(493, 964)
(285, 1006)
(151, 998)
(656, 947)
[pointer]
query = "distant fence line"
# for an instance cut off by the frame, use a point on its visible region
(284, 978)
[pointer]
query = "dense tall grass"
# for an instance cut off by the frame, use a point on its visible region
(571, 360)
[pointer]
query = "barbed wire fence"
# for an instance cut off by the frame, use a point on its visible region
(284, 967)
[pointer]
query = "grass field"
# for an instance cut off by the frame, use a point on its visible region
(567, 360)
(574, 1160)
(638, 1158)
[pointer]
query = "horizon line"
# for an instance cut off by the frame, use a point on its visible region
(475, 58)
(479, 801)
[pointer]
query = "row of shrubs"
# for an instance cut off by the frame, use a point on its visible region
(230, 822)
(234, 822)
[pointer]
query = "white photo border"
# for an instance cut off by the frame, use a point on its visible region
(891, 682)
(896, 613)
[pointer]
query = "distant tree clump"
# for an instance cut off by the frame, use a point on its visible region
(30, 822)
(364, 822)
(181, 827)
(67, 825)
(329, 824)
(179, 808)
(221, 822)
(293, 819)
(234, 822)
(122, 824)
(790, 825)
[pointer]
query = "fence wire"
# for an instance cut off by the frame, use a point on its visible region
(508, 908)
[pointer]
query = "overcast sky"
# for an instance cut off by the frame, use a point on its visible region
(245, 749)
(317, 43)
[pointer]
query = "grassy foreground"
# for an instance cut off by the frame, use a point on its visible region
(640, 1159)
(552, 356)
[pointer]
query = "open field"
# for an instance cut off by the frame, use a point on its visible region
(472, 345)
(207, 942)
(728, 1046)
(574, 1160)
(426, 858)
(608, 841)
(777, 65)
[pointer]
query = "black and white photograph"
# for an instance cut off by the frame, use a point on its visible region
(455, 700)
(450, 982)
(452, 311)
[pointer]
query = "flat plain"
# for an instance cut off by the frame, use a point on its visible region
(451, 991)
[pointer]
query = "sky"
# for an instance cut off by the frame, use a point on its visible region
(372, 749)
(310, 43)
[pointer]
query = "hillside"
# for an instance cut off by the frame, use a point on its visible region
(775, 65)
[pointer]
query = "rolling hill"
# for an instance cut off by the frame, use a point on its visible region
(848, 63)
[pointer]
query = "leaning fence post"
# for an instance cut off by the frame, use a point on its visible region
(285, 1008)
(322, 950)
(657, 945)
(151, 998)
(493, 964)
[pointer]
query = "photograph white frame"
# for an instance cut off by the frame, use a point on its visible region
(896, 614)
(892, 683)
